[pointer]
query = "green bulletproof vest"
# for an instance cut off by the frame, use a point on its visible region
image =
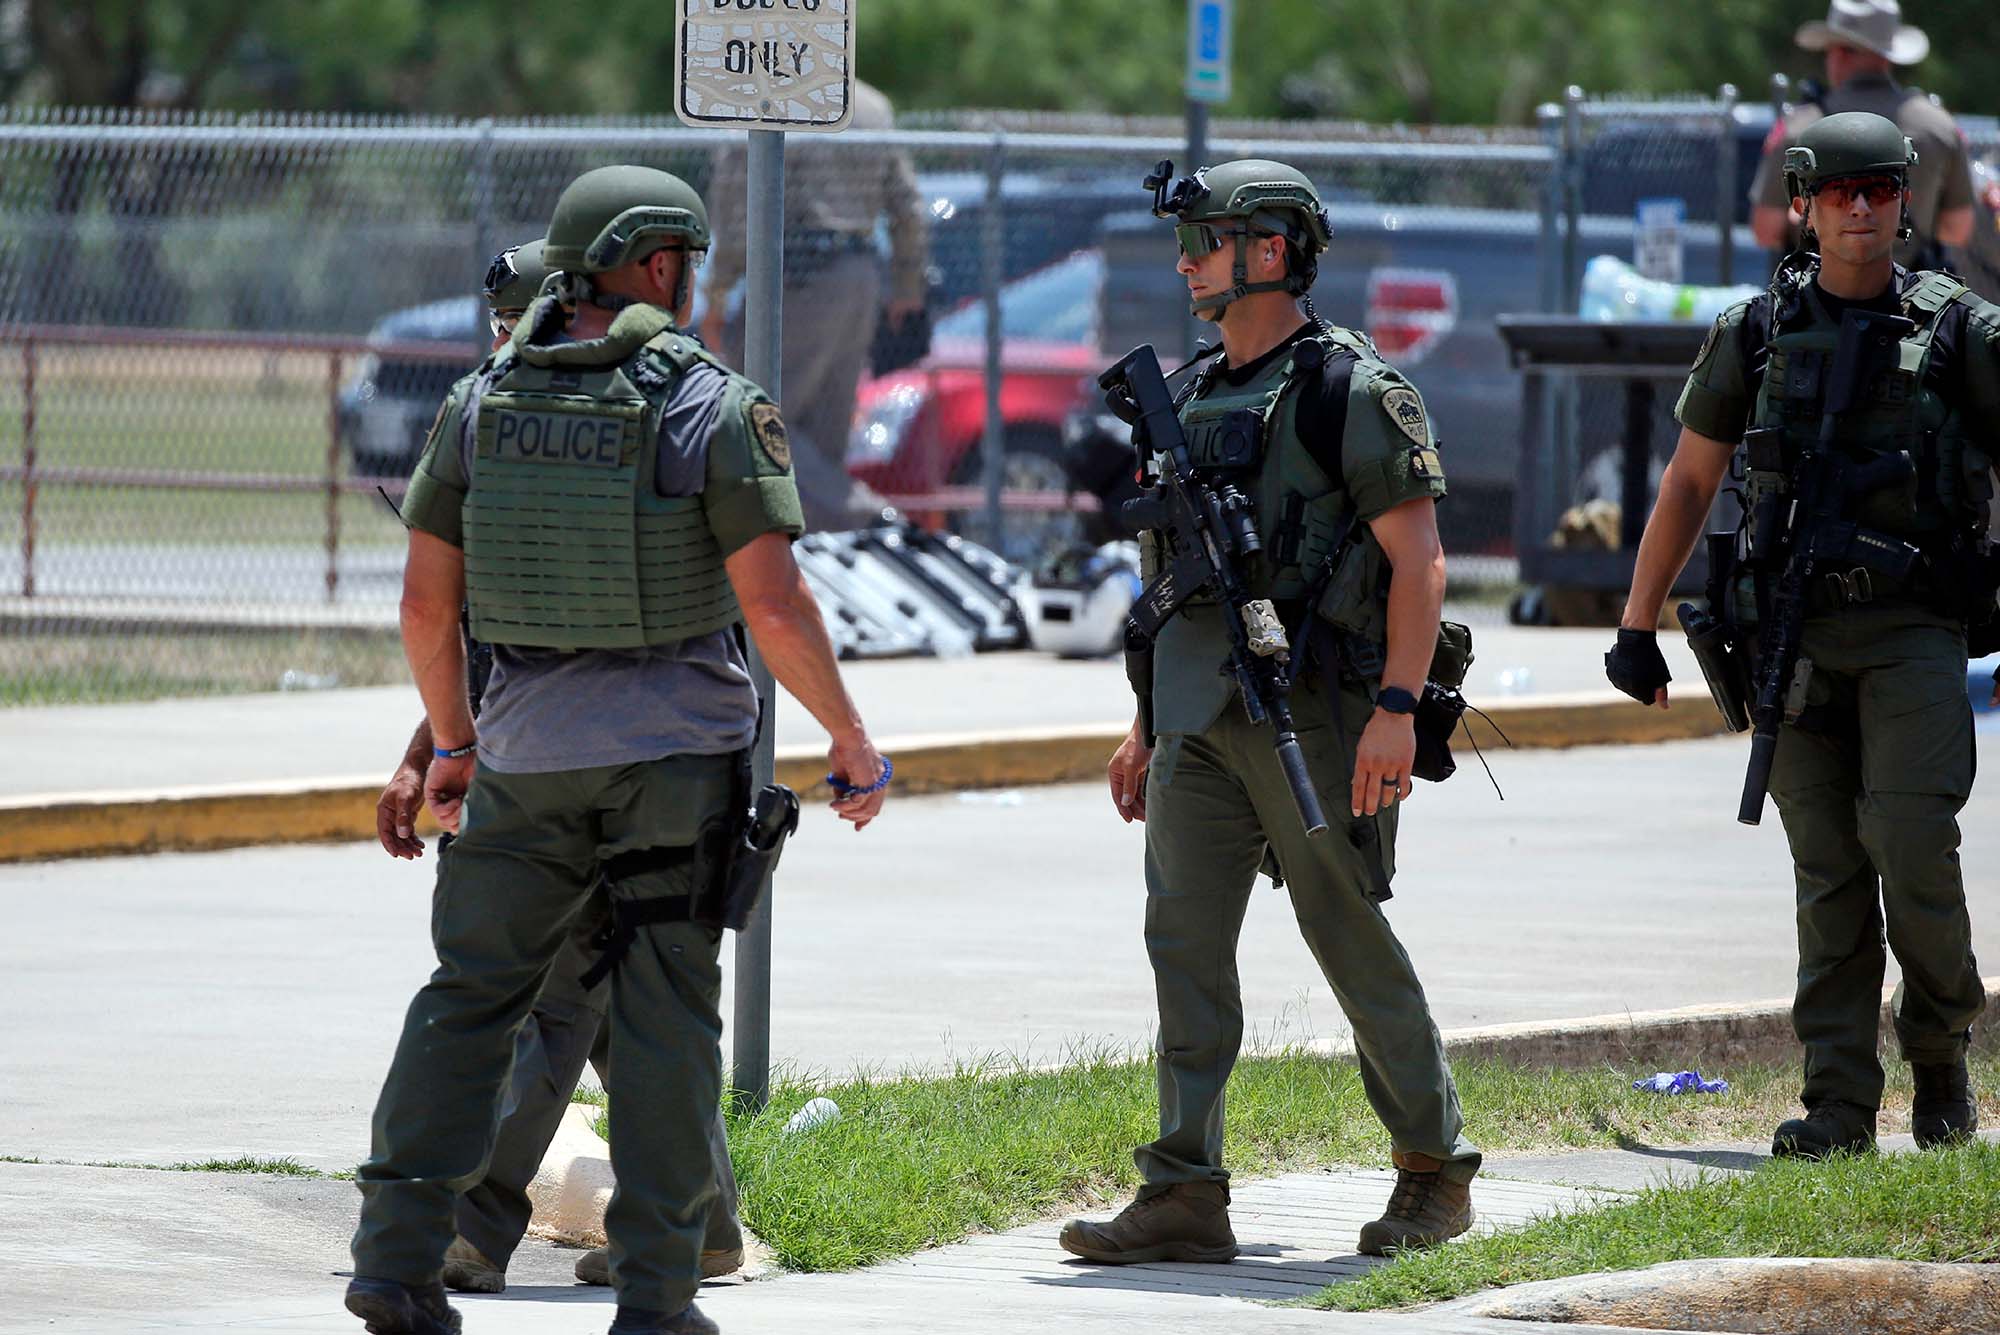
(567, 543)
(1248, 434)
(1896, 411)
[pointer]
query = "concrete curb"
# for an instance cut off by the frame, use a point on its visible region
(1714, 1038)
(342, 808)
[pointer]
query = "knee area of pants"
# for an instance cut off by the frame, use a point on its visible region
(1896, 811)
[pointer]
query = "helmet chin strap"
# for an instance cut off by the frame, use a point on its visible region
(1211, 308)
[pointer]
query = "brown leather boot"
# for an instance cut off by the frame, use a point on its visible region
(1424, 1209)
(1189, 1221)
(467, 1270)
(594, 1266)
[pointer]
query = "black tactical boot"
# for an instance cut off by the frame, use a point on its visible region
(390, 1308)
(639, 1321)
(1943, 1113)
(1829, 1127)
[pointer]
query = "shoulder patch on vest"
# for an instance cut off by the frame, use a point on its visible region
(769, 427)
(1708, 343)
(1406, 410)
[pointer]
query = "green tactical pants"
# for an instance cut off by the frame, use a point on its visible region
(507, 894)
(1869, 784)
(1213, 802)
(565, 1029)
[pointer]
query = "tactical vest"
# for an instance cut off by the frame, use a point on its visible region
(1248, 435)
(1898, 411)
(568, 544)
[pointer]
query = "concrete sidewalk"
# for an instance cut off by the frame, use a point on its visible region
(229, 771)
(100, 1249)
(308, 735)
(120, 1250)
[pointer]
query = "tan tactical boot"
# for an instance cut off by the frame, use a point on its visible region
(466, 1270)
(594, 1266)
(1189, 1221)
(1425, 1208)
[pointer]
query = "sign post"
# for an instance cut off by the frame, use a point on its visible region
(765, 66)
(1207, 82)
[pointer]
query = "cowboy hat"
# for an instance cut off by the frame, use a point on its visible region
(1872, 25)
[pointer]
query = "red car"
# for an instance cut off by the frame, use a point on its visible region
(918, 431)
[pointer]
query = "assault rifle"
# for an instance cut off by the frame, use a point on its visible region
(1806, 528)
(1210, 533)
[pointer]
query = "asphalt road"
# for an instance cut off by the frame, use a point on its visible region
(189, 1006)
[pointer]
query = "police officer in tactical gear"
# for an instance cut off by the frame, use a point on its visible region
(613, 507)
(1875, 757)
(566, 1029)
(1345, 475)
(1864, 41)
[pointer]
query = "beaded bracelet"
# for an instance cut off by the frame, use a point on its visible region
(454, 752)
(843, 788)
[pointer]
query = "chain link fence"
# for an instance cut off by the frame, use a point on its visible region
(224, 340)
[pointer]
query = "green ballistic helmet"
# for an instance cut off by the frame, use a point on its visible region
(515, 277)
(1244, 198)
(1853, 143)
(613, 216)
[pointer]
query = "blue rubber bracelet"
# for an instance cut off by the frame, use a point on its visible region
(454, 752)
(843, 788)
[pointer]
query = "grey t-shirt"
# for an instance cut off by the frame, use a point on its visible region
(546, 709)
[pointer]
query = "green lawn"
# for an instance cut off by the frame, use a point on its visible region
(919, 1162)
(233, 414)
(46, 668)
(1942, 1206)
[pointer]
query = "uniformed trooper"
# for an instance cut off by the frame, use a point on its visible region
(1870, 774)
(613, 507)
(566, 1028)
(1345, 475)
(1864, 41)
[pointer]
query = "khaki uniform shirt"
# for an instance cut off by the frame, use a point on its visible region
(830, 188)
(1942, 178)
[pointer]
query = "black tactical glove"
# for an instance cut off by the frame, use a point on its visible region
(1635, 666)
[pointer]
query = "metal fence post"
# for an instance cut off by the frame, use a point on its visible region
(1197, 158)
(1725, 187)
(992, 273)
(1572, 178)
(763, 344)
(28, 468)
(332, 477)
(482, 217)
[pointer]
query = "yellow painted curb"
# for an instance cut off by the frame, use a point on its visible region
(340, 809)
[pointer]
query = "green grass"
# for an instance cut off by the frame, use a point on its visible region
(50, 668)
(226, 413)
(919, 1161)
(1908, 1207)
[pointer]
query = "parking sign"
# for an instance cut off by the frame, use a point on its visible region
(1208, 50)
(765, 64)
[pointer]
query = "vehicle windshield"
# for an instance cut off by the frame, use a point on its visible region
(1054, 304)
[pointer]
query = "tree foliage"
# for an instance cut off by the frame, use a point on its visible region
(1419, 61)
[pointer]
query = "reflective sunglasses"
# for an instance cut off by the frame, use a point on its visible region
(1199, 239)
(1877, 190)
(503, 325)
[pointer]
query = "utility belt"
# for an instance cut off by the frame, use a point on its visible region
(732, 859)
(1723, 639)
(810, 250)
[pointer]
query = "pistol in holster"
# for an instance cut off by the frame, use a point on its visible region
(730, 863)
(1716, 641)
(728, 896)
